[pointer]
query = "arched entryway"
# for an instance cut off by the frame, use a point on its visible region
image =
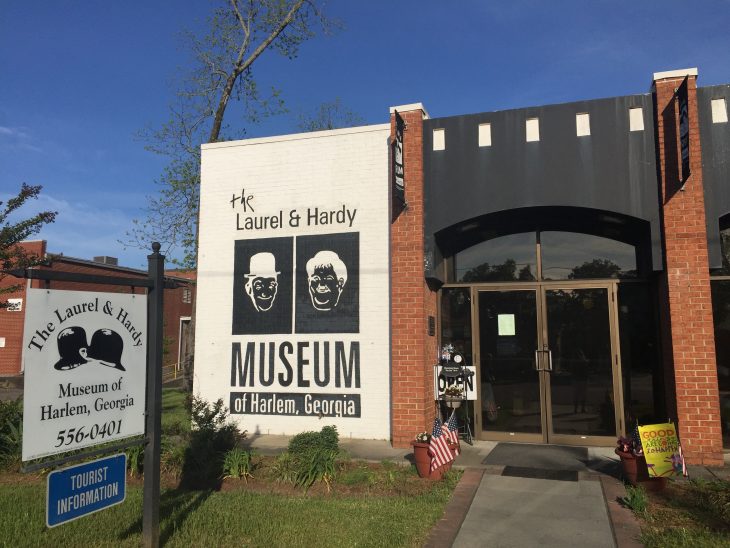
(559, 327)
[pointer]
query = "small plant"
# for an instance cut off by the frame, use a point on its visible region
(172, 459)
(316, 465)
(630, 445)
(284, 468)
(135, 460)
(238, 463)
(635, 499)
(423, 437)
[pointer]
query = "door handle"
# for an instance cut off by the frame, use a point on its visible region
(549, 352)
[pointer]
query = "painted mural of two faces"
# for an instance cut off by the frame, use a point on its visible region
(311, 282)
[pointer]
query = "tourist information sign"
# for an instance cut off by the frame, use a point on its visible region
(80, 490)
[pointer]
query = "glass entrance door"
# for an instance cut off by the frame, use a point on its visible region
(548, 364)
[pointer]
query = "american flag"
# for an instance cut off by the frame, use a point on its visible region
(439, 449)
(451, 430)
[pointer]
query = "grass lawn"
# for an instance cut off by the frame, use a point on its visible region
(175, 419)
(369, 505)
(235, 517)
(688, 513)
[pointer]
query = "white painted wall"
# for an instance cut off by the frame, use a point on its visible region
(325, 170)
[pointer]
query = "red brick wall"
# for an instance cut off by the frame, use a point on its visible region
(11, 323)
(413, 350)
(690, 339)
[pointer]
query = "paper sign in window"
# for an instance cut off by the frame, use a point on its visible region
(505, 325)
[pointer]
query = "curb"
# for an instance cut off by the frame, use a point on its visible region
(445, 531)
(624, 525)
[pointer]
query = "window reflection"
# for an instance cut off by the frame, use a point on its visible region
(565, 256)
(504, 259)
(574, 256)
(721, 316)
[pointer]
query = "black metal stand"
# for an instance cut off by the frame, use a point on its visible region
(460, 372)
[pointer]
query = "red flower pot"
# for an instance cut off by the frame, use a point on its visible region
(423, 462)
(423, 459)
(634, 467)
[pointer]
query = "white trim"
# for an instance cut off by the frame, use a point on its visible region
(680, 73)
(409, 107)
(296, 136)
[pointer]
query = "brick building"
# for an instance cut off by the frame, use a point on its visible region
(576, 255)
(177, 302)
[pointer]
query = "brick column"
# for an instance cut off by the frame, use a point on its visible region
(689, 340)
(413, 350)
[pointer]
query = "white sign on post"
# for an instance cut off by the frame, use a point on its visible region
(85, 357)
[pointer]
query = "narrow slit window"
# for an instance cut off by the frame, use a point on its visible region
(582, 124)
(439, 139)
(636, 119)
(485, 135)
(532, 130)
(719, 111)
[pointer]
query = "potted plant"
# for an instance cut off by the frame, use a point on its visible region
(632, 458)
(420, 453)
(453, 396)
(423, 458)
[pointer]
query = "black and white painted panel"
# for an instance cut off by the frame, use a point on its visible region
(293, 282)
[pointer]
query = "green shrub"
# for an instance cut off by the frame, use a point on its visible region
(11, 432)
(326, 439)
(316, 465)
(238, 463)
(211, 438)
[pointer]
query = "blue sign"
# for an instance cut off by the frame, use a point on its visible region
(84, 489)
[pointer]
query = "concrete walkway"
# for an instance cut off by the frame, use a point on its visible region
(521, 512)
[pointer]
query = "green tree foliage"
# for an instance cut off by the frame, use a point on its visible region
(220, 74)
(12, 232)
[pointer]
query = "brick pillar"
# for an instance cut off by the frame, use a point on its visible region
(413, 350)
(689, 339)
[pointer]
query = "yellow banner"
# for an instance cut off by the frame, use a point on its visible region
(661, 449)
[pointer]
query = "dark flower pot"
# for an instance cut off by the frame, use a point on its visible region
(634, 467)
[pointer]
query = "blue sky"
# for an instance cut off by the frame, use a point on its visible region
(79, 79)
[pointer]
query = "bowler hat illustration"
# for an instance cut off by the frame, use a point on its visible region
(106, 347)
(262, 265)
(71, 347)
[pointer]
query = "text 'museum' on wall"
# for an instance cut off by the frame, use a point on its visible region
(293, 282)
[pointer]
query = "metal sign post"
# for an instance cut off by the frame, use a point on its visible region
(108, 354)
(151, 496)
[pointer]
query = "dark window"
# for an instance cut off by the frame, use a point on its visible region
(640, 365)
(504, 259)
(721, 315)
(456, 320)
(575, 256)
